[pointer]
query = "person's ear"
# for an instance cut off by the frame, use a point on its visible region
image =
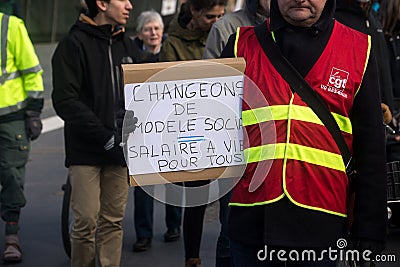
(193, 11)
(102, 5)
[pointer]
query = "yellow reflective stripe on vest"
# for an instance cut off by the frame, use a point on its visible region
(300, 113)
(311, 207)
(16, 74)
(264, 152)
(343, 122)
(34, 69)
(3, 47)
(366, 61)
(236, 41)
(236, 204)
(256, 203)
(313, 155)
(296, 152)
(14, 108)
(264, 114)
(20, 78)
(4, 40)
(306, 114)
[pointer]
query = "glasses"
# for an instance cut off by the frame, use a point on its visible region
(209, 16)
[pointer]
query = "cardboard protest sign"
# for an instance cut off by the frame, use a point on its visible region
(189, 120)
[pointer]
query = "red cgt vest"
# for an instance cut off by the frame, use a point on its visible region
(288, 151)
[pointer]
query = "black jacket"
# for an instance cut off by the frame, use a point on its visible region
(284, 224)
(145, 56)
(87, 89)
(351, 14)
(393, 43)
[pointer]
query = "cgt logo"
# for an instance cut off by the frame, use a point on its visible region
(338, 78)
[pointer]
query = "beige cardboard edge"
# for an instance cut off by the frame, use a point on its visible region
(184, 176)
(182, 70)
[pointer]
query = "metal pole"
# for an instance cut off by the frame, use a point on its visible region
(54, 22)
(27, 10)
(239, 5)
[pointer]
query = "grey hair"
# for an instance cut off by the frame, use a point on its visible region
(147, 17)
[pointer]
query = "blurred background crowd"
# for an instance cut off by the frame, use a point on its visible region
(59, 15)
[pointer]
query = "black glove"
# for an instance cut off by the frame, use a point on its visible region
(362, 245)
(33, 124)
(130, 122)
(114, 151)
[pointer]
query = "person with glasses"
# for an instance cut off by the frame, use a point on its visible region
(186, 40)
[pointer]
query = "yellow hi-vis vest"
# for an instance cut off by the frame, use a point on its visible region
(21, 73)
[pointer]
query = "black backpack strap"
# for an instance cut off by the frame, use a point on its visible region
(303, 89)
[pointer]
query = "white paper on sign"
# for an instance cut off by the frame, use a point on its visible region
(185, 124)
(168, 7)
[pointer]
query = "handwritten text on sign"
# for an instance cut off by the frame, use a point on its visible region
(185, 124)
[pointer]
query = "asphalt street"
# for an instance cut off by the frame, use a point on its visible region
(40, 233)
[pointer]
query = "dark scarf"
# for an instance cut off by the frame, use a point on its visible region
(302, 46)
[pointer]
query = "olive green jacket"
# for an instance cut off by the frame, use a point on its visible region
(183, 44)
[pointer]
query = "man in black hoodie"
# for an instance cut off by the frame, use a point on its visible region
(300, 203)
(87, 92)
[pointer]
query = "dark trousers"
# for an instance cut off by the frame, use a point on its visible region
(194, 217)
(223, 245)
(144, 210)
(14, 151)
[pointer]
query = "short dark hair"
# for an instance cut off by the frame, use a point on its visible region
(186, 15)
(206, 4)
(92, 7)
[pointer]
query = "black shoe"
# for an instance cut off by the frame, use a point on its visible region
(172, 235)
(142, 244)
